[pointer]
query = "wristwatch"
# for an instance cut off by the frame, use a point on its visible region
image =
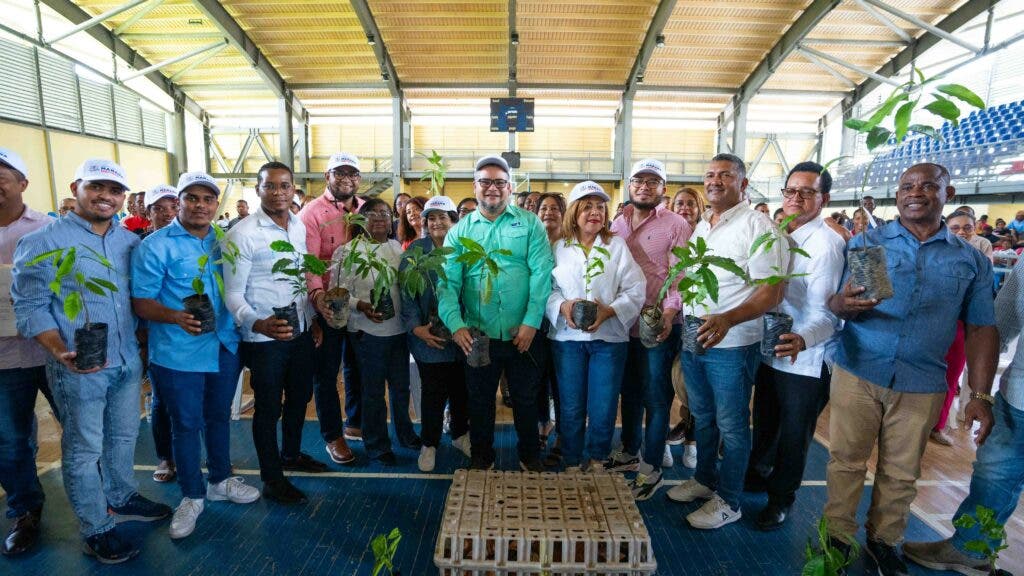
(982, 396)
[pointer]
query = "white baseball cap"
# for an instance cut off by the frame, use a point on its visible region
(11, 158)
(649, 166)
(493, 161)
(342, 159)
(157, 193)
(438, 204)
(588, 188)
(197, 179)
(102, 171)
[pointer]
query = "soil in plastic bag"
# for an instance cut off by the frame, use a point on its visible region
(650, 326)
(868, 269)
(336, 300)
(775, 324)
(386, 307)
(480, 352)
(289, 313)
(437, 327)
(200, 307)
(690, 326)
(584, 314)
(91, 346)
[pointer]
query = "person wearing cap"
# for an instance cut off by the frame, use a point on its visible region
(22, 374)
(651, 231)
(590, 362)
(137, 221)
(161, 207)
(510, 318)
(326, 231)
(719, 382)
(441, 369)
(194, 374)
(99, 408)
(243, 210)
(280, 360)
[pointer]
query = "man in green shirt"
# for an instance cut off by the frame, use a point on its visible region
(510, 316)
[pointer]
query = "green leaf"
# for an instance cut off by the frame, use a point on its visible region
(73, 305)
(79, 278)
(100, 258)
(800, 251)
(815, 566)
(197, 286)
(833, 161)
(710, 282)
(94, 288)
(883, 112)
(877, 137)
(280, 265)
(962, 93)
(55, 287)
(45, 256)
(726, 264)
(106, 284)
(202, 261)
(502, 252)
(945, 109)
(902, 120)
(855, 124)
(471, 245)
(926, 130)
(66, 264)
(492, 266)
(760, 241)
(977, 546)
(314, 265)
(282, 246)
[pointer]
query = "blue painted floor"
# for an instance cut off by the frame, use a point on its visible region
(331, 534)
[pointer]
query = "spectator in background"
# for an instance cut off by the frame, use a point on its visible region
(521, 199)
(410, 221)
(551, 212)
(779, 216)
(399, 208)
(243, 210)
(532, 202)
(137, 222)
(860, 221)
(762, 207)
(66, 206)
(466, 206)
(868, 204)
(161, 207)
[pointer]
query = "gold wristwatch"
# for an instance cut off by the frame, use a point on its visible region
(982, 396)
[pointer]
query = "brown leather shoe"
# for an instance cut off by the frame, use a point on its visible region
(339, 452)
(24, 533)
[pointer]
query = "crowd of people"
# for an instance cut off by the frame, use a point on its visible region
(562, 290)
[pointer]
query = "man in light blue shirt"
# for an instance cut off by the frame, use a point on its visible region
(194, 370)
(99, 407)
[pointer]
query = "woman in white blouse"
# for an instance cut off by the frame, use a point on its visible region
(382, 352)
(589, 363)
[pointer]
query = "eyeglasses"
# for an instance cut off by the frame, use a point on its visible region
(464, 211)
(486, 183)
(271, 187)
(378, 215)
(805, 193)
(966, 228)
(337, 173)
(649, 182)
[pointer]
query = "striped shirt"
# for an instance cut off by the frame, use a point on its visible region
(1009, 318)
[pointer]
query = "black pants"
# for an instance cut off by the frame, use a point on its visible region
(327, 362)
(440, 383)
(522, 372)
(547, 384)
(279, 368)
(351, 377)
(786, 410)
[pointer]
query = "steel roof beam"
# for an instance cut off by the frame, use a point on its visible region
(885, 21)
(212, 48)
(643, 56)
(387, 68)
(513, 55)
(936, 30)
(93, 21)
(153, 4)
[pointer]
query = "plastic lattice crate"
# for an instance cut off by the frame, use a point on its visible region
(504, 523)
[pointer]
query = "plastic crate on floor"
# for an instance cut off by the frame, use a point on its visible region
(526, 523)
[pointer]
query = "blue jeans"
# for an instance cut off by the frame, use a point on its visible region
(380, 359)
(589, 381)
(998, 473)
(199, 405)
(718, 386)
(647, 396)
(350, 380)
(99, 414)
(18, 388)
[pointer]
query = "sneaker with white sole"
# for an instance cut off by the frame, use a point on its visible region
(645, 485)
(690, 456)
(426, 459)
(689, 491)
(715, 513)
(184, 520)
(667, 461)
(621, 461)
(462, 443)
(234, 489)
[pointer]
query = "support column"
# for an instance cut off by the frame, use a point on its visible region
(721, 142)
(179, 161)
(848, 147)
(285, 152)
(304, 150)
(819, 152)
(739, 126)
(396, 145)
(624, 139)
(207, 144)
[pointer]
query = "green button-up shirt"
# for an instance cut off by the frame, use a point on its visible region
(520, 291)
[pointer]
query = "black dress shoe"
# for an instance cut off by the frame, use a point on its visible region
(412, 443)
(109, 547)
(772, 517)
(24, 533)
(283, 492)
(387, 459)
(304, 463)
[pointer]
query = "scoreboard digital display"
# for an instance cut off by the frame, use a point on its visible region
(511, 114)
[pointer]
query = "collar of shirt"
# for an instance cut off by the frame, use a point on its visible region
(896, 228)
(327, 199)
(510, 210)
(724, 216)
(801, 234)
(31, 215)
(264, 220)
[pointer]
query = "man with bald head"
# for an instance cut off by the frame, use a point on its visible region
(888, 384)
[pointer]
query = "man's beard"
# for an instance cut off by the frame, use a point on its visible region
(341, 196)
(647, 205)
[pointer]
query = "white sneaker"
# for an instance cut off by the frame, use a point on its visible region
(715, 513)
(462, 443)
(689, 491)
(184, 520)
(644, 486)
(595, 467)
(667, 461)
(426, 459)
(690, 456)
(234, 489)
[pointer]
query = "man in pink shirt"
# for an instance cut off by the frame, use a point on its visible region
(651, 231)
(324, 218)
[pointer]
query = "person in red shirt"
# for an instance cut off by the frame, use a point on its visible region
(137, 222)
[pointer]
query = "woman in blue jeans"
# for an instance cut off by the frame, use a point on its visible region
(382, 353)
(591, 264)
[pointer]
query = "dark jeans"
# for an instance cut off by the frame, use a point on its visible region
(383, 359)
(521, 371)
(161, 423)
(786, 410)
(279, 367)
(18, 388)
(327, 361)
(199, 405)
(442, 382)
(647, 397)
(547, 385)
(351, 378)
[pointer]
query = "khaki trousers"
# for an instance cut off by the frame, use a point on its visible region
(863, 414)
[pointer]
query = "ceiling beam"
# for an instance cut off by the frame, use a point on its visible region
(513, 46)
(643, 56)
(950, 24)
(70, 11)
(387, 68)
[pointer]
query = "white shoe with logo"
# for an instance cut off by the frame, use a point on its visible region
(184, 520)
(234, 489)
(715, 513)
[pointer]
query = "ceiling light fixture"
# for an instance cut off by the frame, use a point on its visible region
(515, 39)
(639, 78)
(371, 40)
(660, 41)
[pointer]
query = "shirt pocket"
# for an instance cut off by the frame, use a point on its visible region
(517, 240)
(953, 282)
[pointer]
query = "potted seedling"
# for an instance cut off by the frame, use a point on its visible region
(993, 536)
(584, 312)
(362, 262)
(295, 266)
(697, 285)
(775, 322)
(489, 270)
(421, 269)
(384, 548)
(827, 560)
(436, 172)
(198, 304)
(91, 339)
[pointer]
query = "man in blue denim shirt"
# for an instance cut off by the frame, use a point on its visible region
(99, 407)
(889, 383)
